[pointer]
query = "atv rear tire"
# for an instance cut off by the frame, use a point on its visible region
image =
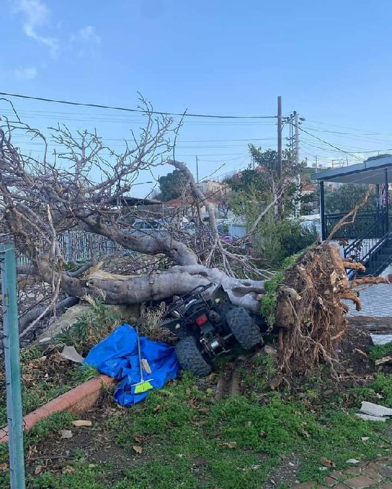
(191, 358)
(244, 328)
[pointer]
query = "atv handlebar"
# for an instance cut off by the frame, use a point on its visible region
(173, 306)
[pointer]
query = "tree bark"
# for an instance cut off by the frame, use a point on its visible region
(30, 316)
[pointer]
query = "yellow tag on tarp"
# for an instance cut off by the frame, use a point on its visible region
(143, 387)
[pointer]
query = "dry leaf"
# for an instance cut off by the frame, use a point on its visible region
(204, 410)
(263, 434)
(229, 444)
(326, 462)
(3, 467)
(275, 382)
(68, 470)
(38, 469)
(139, 438)
(65, 433)
(138, 448)
(157, 408)
(82, 422)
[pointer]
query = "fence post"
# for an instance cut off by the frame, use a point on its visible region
(12, 366)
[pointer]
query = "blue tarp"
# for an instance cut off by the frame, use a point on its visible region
(117, 356)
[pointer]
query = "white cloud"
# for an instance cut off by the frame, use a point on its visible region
(85, 41)
(87, 34)
(22, 74)
(36, 16)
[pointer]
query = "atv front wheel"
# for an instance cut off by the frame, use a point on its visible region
(244, 328)
(191, 358)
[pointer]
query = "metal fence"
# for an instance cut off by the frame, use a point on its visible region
(81, 246)
(237, 230)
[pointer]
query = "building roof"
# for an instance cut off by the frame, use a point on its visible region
(309, 187)
(135, 201)
(371, 171)
(187, 200)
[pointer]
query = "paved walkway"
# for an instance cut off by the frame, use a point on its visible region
(377, 474)
(371, 475)
(376, 302)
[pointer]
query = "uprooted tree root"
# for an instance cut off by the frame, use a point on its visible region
(310, 313)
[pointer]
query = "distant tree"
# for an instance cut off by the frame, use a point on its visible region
(172, 185)
(348, 196)
(261, 185)
(276, 235)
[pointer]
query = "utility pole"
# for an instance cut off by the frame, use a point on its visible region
(296, 121)
(197, 169)
(298, 178)
(280, 168)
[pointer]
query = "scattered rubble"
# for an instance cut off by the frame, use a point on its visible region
(374, 412)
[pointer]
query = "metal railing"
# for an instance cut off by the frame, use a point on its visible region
(369, 248)
(368, 240)
(364, 223)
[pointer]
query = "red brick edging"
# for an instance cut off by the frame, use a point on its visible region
(77, 400)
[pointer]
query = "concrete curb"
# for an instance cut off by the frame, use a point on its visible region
(77, 400)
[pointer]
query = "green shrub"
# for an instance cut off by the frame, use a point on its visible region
(276, 241)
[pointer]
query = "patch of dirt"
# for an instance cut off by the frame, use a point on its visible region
(96, 442)
(51, 366)
(286, 473)
(354, 348)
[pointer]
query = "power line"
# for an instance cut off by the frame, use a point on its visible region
(347, 135)
(327, 143)
(352, 153)
(374, 133)
(125, 109)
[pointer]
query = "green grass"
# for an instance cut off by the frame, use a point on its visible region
(379, 351)
(85, 333)
(190, 442)
(91, 328)
(52, 424)
(45, 390)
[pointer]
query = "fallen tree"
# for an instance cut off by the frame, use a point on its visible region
(83, 188)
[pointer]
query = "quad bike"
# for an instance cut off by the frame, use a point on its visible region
(207, 327)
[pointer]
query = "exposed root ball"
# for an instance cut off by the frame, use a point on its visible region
(310, 312)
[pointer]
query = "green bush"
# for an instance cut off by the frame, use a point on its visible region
(276, 241)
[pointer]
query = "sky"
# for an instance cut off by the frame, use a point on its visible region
(329, 60)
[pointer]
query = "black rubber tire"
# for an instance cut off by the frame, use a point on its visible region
(191, 358)
(244, 328)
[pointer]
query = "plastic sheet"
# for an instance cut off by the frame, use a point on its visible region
(117, 356)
